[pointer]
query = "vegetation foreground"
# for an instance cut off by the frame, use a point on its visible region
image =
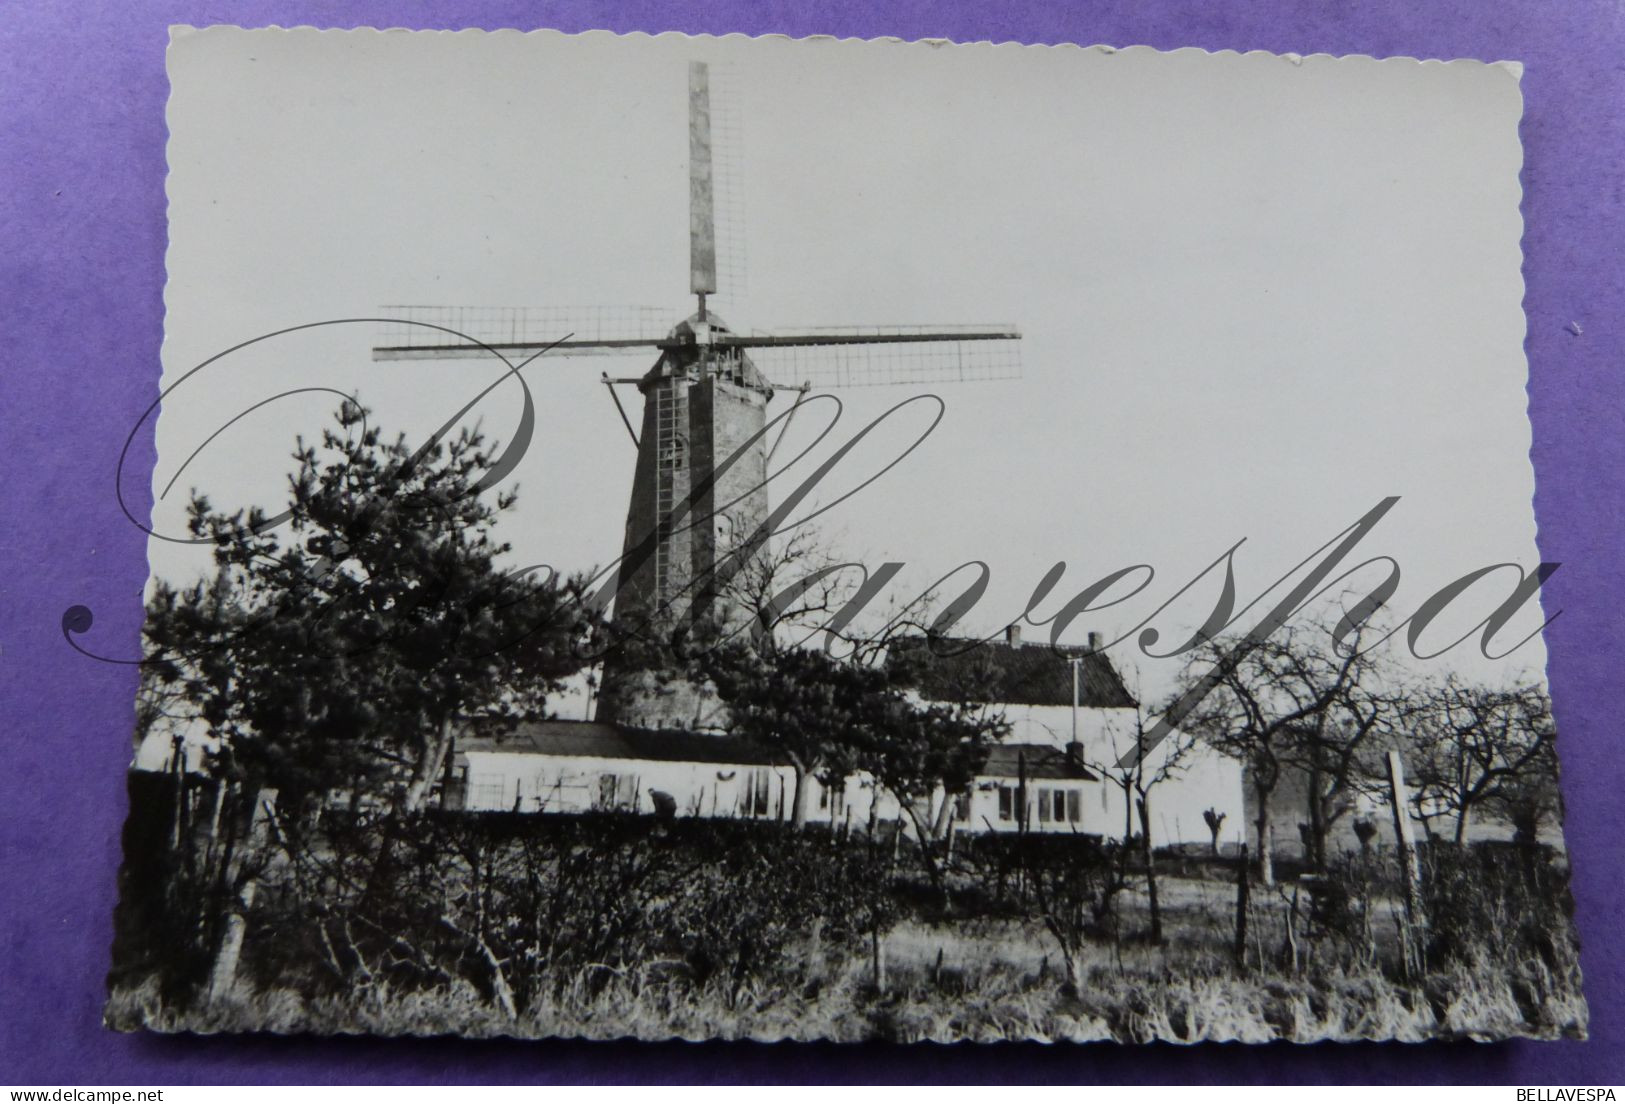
(613, 926)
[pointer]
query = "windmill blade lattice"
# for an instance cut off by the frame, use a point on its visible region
(432, 332)
(706, 391)
(728, 182)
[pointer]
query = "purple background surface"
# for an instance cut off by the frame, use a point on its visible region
(82, 94)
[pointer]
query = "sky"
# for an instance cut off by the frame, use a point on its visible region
(1257, 294)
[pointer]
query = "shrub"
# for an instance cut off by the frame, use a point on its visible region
(522, 908)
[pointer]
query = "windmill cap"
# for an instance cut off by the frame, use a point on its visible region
(688, 326)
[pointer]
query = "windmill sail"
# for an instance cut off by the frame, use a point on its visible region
(887, 356)
(450, 332)
(823, 356)
(728, 181)
(699, 497)
(702, 219)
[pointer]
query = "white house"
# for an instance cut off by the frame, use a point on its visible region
(1039, 778)
(585, 766)
(1071, 720)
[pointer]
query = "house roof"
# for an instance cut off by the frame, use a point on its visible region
(593, 740)
(999, 672)
(1038, 761)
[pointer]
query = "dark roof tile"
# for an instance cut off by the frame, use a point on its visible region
(1040, 761)
(590, 739)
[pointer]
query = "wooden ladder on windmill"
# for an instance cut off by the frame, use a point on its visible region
(670, 421)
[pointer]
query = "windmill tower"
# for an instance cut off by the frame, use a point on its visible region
(698, 501)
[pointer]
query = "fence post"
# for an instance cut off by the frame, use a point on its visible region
(1409, 866)
(1021, 792)
(877, 951)
(1241, 908)
(1292, 954)
(229, 950)
(177, 766)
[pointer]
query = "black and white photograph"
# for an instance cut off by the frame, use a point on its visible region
(752, 538)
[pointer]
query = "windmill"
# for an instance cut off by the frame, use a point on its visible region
(698, 498)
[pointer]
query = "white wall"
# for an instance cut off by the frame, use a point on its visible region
(157, 750)
(573, 784)
(563, 784)
(1206, 779)
(559, 784)
(1051, 725)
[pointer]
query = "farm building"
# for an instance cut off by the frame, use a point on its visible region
(587, 766)
(1040, 777)
(1032, 685)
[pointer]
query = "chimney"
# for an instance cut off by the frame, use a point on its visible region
(1074, 753)
(1094, 642)
(1012, 636)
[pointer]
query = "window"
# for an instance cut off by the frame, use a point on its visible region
(754, 798)
(962, 807)
(487, 791)
(832, 798)
(1007, 803)
(616, 791)
(1059, 806)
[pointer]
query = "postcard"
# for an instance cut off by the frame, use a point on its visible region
(729, 538)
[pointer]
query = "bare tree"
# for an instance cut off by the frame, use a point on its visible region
(1136, 775)
(772, 600)
(1271, 696)
(1215, 822)
(800, 702)
(1075, 885)
(789, 590)
(1338, 747)
(1479, 749)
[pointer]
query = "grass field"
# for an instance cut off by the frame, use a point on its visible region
(985, 978)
